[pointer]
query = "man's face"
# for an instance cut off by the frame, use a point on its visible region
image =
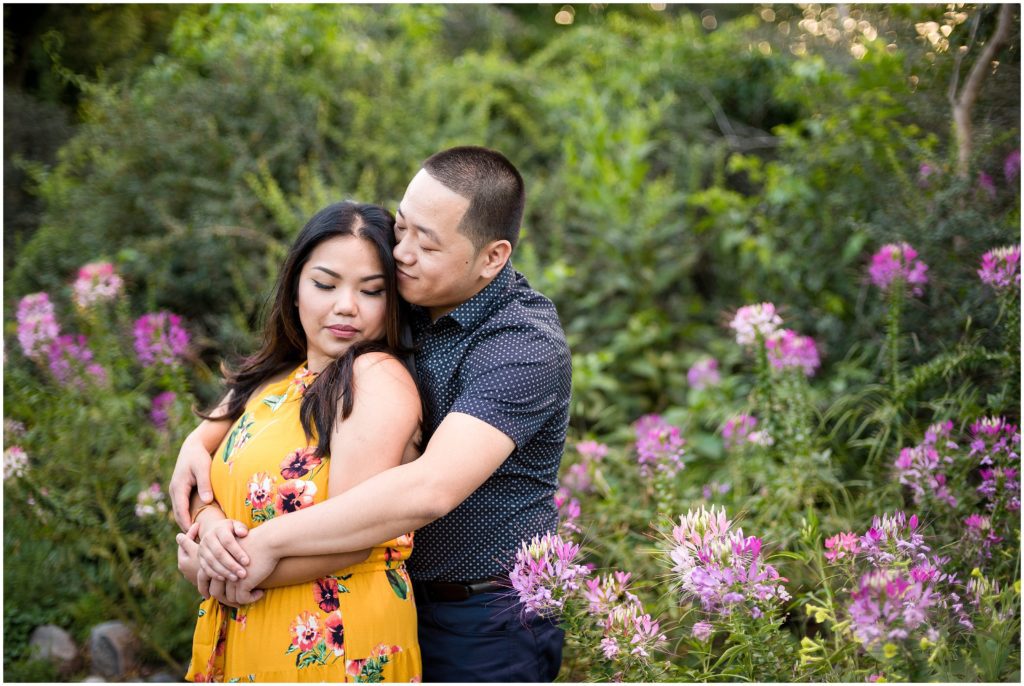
(438, 267)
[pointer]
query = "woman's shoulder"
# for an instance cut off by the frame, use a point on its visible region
(384, 372)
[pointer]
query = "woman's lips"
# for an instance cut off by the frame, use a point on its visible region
(343, 331)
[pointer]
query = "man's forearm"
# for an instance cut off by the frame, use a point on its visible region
(383, 507)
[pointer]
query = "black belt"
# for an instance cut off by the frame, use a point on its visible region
(455, 591)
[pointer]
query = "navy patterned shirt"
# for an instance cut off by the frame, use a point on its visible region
(501, 357)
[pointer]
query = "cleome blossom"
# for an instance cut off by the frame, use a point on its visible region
(545, 574)
(37, 324)
(703, 374)
(888, 605)
(739, 431)
(893, 538)
(756, 321)
(159, 338)
(721, 567)
(790, 350)
(96, 282)
(659, 446)
(1000, 268)
(921, 467)
(897, 262)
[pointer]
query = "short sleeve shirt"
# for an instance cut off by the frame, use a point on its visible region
(501, 357)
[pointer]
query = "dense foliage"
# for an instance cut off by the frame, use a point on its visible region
(678, 167)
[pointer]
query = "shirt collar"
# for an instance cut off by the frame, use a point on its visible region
(475, 310)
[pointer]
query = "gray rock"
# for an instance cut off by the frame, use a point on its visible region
(114, 648)
(94, 679)
(54, 645)
(164, 678)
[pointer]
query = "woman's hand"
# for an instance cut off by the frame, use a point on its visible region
(221, 558)
(188, 554)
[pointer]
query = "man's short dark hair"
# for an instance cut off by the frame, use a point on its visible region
(493, 187)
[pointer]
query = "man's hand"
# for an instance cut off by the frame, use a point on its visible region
(221, 557)
(188, 554)
(262, 564)
(191, 470)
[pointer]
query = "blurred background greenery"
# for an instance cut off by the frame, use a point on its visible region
(680, 160)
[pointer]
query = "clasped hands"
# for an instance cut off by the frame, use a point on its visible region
(216, 562)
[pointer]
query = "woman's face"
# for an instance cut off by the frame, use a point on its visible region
(341, 298)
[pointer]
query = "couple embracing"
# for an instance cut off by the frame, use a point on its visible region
(376, 463)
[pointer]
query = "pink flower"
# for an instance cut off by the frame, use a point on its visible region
(592, 450)
(736, 430)
(568, 511)
(925, 172)
(299, 463)
(577, 478)
(887, 606)
(96, 282)
(1000, 268)
(841, 545)
(150, 501)
(607, 591)
(15, 462)
(703, 374)
(325, 592)
(702, 630)
(791, 350)
(293, 495)
(37, 324)
(898, 263)
(1011, 166)
(545, 573)
(160, 407)
(987, 184)
(70, 362)
(659, 446)
(305, 630)
(754, 321)
(160, 339)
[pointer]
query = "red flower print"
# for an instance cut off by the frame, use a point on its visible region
(305, 631)
(326, 592)
(298, 463)
(383, 649)
(335, 632)
(302, 380)
(405, 540)
(355, 666)
(261, 487)
(294, 495)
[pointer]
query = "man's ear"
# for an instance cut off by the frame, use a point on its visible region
(495, 255)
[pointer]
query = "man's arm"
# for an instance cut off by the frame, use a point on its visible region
(462, 454)
(192, 468)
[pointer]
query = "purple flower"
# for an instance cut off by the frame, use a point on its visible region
(608, 591)
(628, 631)
(841, 545)
(70, 362)
(568, 511)
(995, 440)
(887, 606)
(159, 338)
(545, 573)
(702, 630)
(1011, 166)
(921, 467)
(1000, 268)
(739, 431)
(160, 408)
(96, 282)
(1000, 485)
(703, 374)
(792, 351)
(659, 446)
(713, 488)
(37, 324)
(754, 321)
(987, 184)
(925, 172)
(577, 478)
(898, 263)
(893, 537)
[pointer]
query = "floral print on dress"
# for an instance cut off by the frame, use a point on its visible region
(294, 495)
(326, 591)
(260, 498)
(370, 670)
(398, 577)
(334, 633)
(299, 463)
(239, 436)
(275, 401)
(310, 642)
(302, 380)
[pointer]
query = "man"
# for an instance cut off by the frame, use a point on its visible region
(495, 371)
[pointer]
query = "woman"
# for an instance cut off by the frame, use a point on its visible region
(323, 405)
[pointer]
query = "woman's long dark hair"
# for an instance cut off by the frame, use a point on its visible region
(284, 340)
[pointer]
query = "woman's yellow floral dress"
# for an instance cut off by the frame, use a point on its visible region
(358, 624)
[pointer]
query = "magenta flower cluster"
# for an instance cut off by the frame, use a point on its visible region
(995, 443)
(37, 324)
(721, 568)
(160, 408)
(790, 350)
(922, 468)
(659, 446)
(160, 339)
(893, 537)
(627, 631)
(898, 263)
(71, 362)
(1000, 268)
(96, 282)
(545, 574)
(740, 430)
(703, 374)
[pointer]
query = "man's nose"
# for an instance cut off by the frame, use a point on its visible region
(403, 254)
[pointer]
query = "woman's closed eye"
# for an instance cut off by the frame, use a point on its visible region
(323, 286)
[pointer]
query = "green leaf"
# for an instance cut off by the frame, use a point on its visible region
(398, 584)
